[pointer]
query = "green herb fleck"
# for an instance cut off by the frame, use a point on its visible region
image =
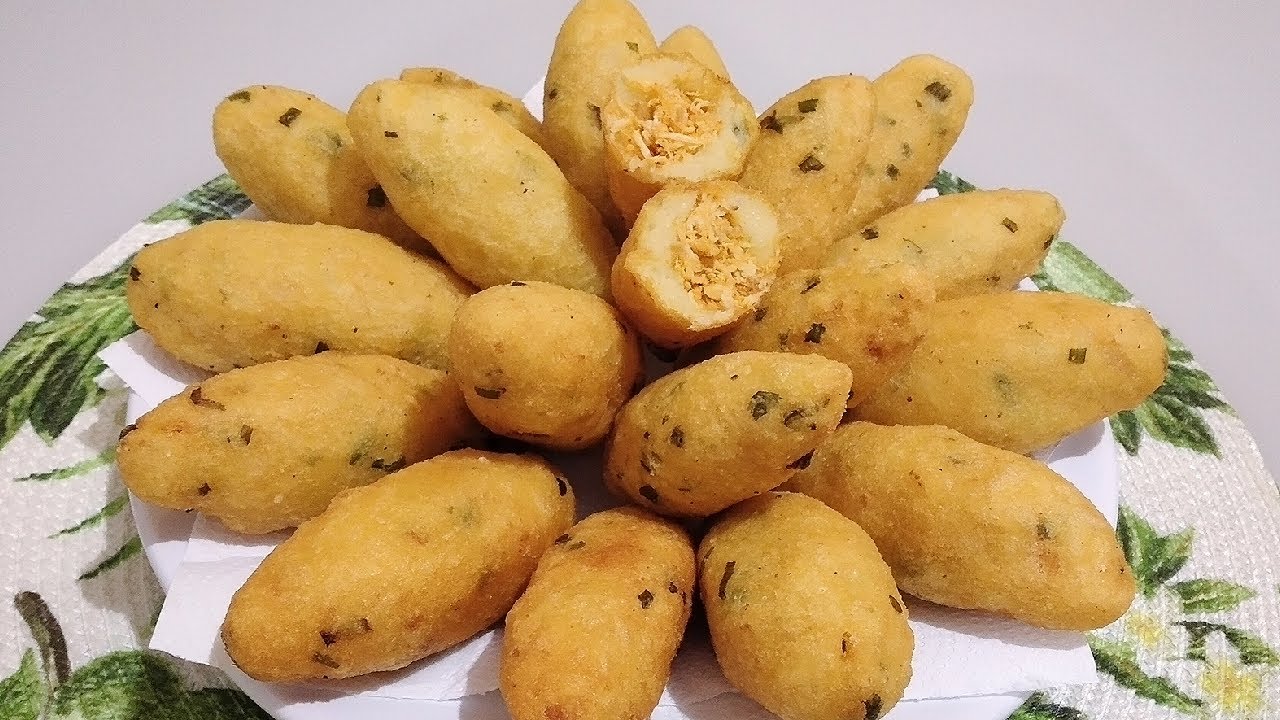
(649, 460)
(795, 419)
(762, 402)
(633, 47)
(938, 90)
(1043, 532)
(801, 462)
(377, 197)
(807, 106)
(815, 333)
(1009, 225)
(501, 106)
(241, 96)
(724, 579)
(810, 164)
(871, 708)
(289, 116)
(1076, 356)
(198, 398)
(1004, 386)
(490, 393)
(394, 465)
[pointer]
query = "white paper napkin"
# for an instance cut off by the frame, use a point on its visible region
(957, 653)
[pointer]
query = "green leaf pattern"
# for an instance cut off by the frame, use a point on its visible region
(23, 694)
(1157, 558)
(1038, 707)
(48, 375)
(1208, 596)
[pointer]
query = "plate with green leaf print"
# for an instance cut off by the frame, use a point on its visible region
(1087, 459)
(1199, 520)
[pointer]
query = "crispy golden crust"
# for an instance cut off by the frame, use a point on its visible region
(609, 600)
(269, 446)
(691, 41)
(544, 364)
(234, 293)
(870, 322)
(1022, 370)
(506, 106)
(293, 157)
(921, 107)
(971, 526)
(398, 570)
(703, 438)
(671, 119)
(808, 162)
(966, 244)
(804, 615)
(493, 203)
(597, 40)
(699, 258)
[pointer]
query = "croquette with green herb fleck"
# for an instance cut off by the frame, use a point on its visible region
(610, 599)
(267, 447)
(1022, 370)
(696, 441)
(922, 104)
(544, 364)
(804, 615)
(971, 526)
(292, 155)
(966, 244)
(491, 201)
(234, 293)
(870, 322)
(399, 570)
(597, 40)
(808, 162)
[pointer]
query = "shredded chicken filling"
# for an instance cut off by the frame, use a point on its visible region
(670, 125)
(714, 259)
